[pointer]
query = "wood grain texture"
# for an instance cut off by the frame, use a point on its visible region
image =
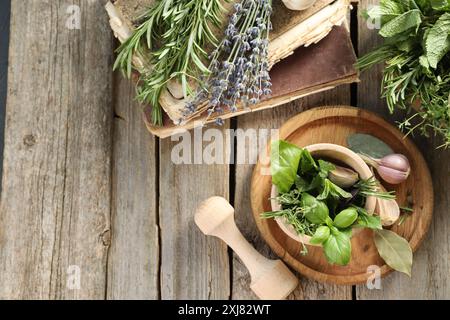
(431, 263)
(133, 263)
(334, 125)
(5, 7)
(55, 203)
(193, 266)
(269, 119)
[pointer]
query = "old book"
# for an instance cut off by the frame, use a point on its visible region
(292, 29)
(313, 69)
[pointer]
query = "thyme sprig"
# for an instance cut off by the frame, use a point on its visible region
(173, 36)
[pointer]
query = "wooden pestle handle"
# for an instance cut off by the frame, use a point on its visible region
(255, 262)
(271, 279)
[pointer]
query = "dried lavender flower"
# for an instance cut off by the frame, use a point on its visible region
(240, 64)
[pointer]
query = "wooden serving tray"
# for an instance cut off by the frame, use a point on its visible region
(334, 125)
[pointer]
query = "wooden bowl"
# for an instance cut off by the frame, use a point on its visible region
(332, 152)
(334, 125)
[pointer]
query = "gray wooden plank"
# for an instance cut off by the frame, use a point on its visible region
(271, 119)
(5, 7)
(431, 267)
(133, 261)
(193, 266)
(55, 204)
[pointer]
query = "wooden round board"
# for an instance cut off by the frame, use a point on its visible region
(334, 125)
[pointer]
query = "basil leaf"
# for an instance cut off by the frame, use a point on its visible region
(307, 162)
(394, 250)
(369, 145)
(321, 235)
(437, 42)
(346, 218)
(316, 211)
(402, 23)
(284, 162)
(338, 248)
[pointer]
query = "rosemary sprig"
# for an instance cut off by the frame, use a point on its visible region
(370, 188)
(416, 55)
(172, 36)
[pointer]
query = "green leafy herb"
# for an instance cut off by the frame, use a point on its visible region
(368, 145)
(321, 235)
(366, 220)
(285, 159)
(172, 37)
(316, 207)
(338, 248)
(324, 168)
(417, 62)
(316, 211)
(330, 189)
(346, 218)
(394, 250)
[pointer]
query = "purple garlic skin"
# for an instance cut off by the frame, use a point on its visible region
(394, 168)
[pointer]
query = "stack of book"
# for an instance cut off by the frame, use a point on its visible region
(310, 51)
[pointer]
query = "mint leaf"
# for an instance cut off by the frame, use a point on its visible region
(440, 5)
(437, 43)
(338, 248)
(402, 23)
(284, 162)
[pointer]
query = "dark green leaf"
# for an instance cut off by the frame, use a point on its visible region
(369, 145)
(307, 162)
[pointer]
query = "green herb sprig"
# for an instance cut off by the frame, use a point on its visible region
(316, 207)
(173, 36)
(417, 62)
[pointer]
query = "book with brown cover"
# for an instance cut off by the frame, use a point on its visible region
(310, 69)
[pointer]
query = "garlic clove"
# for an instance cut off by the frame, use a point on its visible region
(396, 161)
(343, 177)
(392, 176)
(389, 211)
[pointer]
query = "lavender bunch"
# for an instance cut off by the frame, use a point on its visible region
(239, 66)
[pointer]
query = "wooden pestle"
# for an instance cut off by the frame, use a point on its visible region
(270, 279)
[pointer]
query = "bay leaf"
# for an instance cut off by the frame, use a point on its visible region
(368, 145)
(394, 250)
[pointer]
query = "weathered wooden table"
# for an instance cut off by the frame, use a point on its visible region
(88, 192)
